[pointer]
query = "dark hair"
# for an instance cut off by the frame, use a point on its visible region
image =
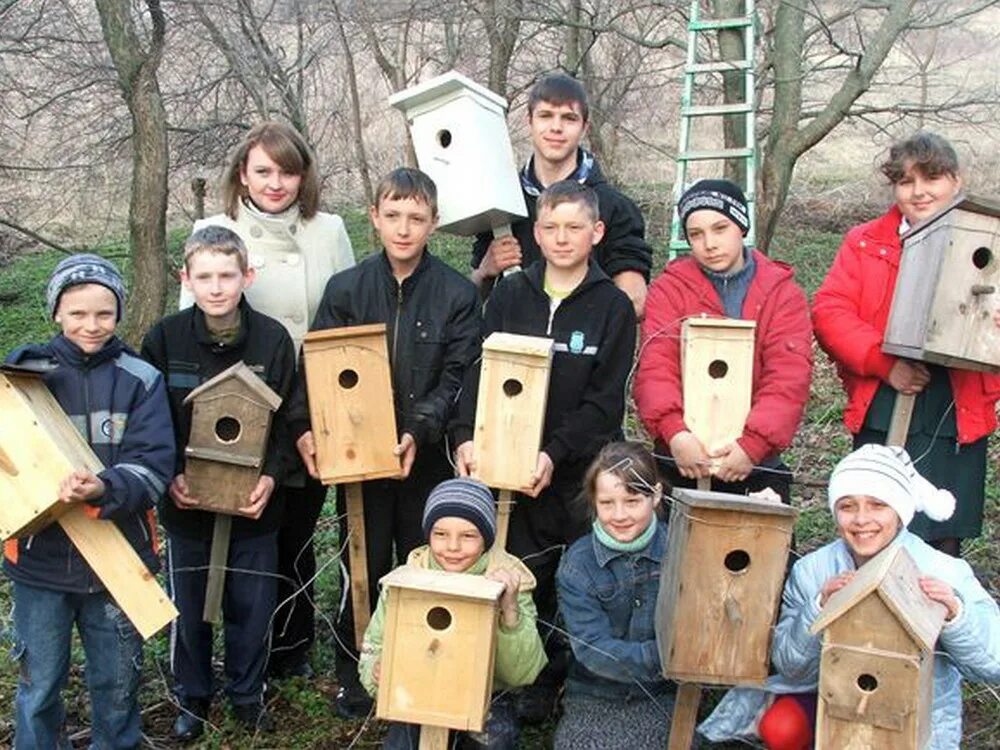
(288, 149)
(558, 88)
(216, 239)
(407, 182)
(628, 460)
(570, 191)
(928, 152)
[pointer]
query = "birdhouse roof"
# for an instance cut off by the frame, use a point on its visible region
(894, 578)
(726, 501)
(246, 376)
(973, 203)
(451, 83)
(515, 343)
(706, 322)
(444, 582)
(346, 332)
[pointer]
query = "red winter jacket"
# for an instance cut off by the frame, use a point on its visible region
(782, 352)
(850, 313)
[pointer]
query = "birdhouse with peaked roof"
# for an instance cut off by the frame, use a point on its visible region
(717, 378)
(948, 288)
(510, 408)
(350, 403)
(460, 136)
(230, 424)
(876, 674)
(720, 586)
(438, 650)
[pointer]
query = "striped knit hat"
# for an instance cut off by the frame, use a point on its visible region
(466, 498)
(721, 196)
(84, 268)
(887, 473)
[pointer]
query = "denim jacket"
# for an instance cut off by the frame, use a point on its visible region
(608, 601)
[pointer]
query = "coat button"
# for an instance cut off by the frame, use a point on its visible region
(638, 603)
(882, 251)
(862, 243)
(298, 318)
(256, 232)
(293, 228)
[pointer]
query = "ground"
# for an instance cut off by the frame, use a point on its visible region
(303, 708)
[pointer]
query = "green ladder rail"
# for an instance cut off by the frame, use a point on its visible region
(693, 69)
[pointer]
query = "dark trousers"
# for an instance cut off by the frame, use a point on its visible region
(394, 512)
(247, 605)
(295, 619)
(501, 732)
(540, 529)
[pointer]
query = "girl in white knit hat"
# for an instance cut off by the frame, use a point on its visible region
(874, 493)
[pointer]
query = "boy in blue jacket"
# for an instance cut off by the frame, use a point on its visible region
(119, 404)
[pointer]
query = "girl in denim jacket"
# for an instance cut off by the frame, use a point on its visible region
(616, 695)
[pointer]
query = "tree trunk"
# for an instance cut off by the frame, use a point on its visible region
(356, 124)
(732, 47)
(136, 67)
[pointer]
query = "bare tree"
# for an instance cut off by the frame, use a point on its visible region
(136, 61)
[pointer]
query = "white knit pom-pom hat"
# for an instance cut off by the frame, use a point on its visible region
(887, 473)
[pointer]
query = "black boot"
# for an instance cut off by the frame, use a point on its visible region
(253, 716)
(190, 723)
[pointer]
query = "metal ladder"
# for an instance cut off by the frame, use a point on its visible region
(692, 69)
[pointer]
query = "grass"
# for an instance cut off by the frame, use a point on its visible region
(303, 708)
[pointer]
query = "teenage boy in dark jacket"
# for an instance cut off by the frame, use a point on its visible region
(558, 121)
(566, 297)
(119, 404)
(432, 315)
(190, 347)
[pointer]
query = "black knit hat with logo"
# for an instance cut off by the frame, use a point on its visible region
(722, 196)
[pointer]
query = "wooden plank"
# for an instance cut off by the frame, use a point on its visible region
(899, 423)
(711, 500)
(217, 563)
(358, 555)
(433, 738)
(220, 487)
(461, 585)
(120, 569)
(346, 332)
(505, 505)
(685, 716)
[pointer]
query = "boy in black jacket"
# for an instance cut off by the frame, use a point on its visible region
(568, 298)
(190, 347)
(432, 315)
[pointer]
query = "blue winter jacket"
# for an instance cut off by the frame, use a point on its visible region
(608, 601)
(118, 402)
(969, 645)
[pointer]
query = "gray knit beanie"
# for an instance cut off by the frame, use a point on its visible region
(465, 498)
(721, 196)
(84, 268)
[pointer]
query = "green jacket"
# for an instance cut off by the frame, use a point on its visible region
(519, 653)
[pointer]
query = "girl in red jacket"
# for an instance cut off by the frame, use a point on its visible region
(722, 278)
(954, 411)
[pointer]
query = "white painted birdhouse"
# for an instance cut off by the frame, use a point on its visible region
(460, 136)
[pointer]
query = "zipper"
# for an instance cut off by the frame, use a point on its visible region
(395, 326)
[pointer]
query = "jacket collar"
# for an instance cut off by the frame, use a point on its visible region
(654, 550)
(67, 353)
(768, 274)
(535, 276)
(586, 173)
(203, 335)
(409, 281)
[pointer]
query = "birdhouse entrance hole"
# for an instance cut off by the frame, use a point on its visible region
(867, 683)
(347, 379)
(438, 618)
(512, 387)
(981, 257)
(444, 138)
(737, 561)
(717, 368)
(227, 429)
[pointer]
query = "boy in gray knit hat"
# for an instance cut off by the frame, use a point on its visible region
(460, 526)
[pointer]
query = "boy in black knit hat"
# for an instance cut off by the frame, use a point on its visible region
(724, 278)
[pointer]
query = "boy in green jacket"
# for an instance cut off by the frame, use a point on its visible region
(459, 524)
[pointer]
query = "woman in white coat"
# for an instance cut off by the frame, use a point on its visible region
(270, 192)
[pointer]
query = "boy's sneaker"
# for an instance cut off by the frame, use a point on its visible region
(190, 722)
(253, 716)
(352, 702)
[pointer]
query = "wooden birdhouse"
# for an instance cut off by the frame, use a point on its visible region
(438, 649)
(460, 136)
(350, 403)
(39, 447)
(510, 408)
(230, 424)
(717, 377)
(876, 674)
(948, 289)
(720, 586)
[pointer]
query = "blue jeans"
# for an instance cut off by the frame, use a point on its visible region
(501, 732)
(43, 628)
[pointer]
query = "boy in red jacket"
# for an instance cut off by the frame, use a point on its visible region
(722, 278)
